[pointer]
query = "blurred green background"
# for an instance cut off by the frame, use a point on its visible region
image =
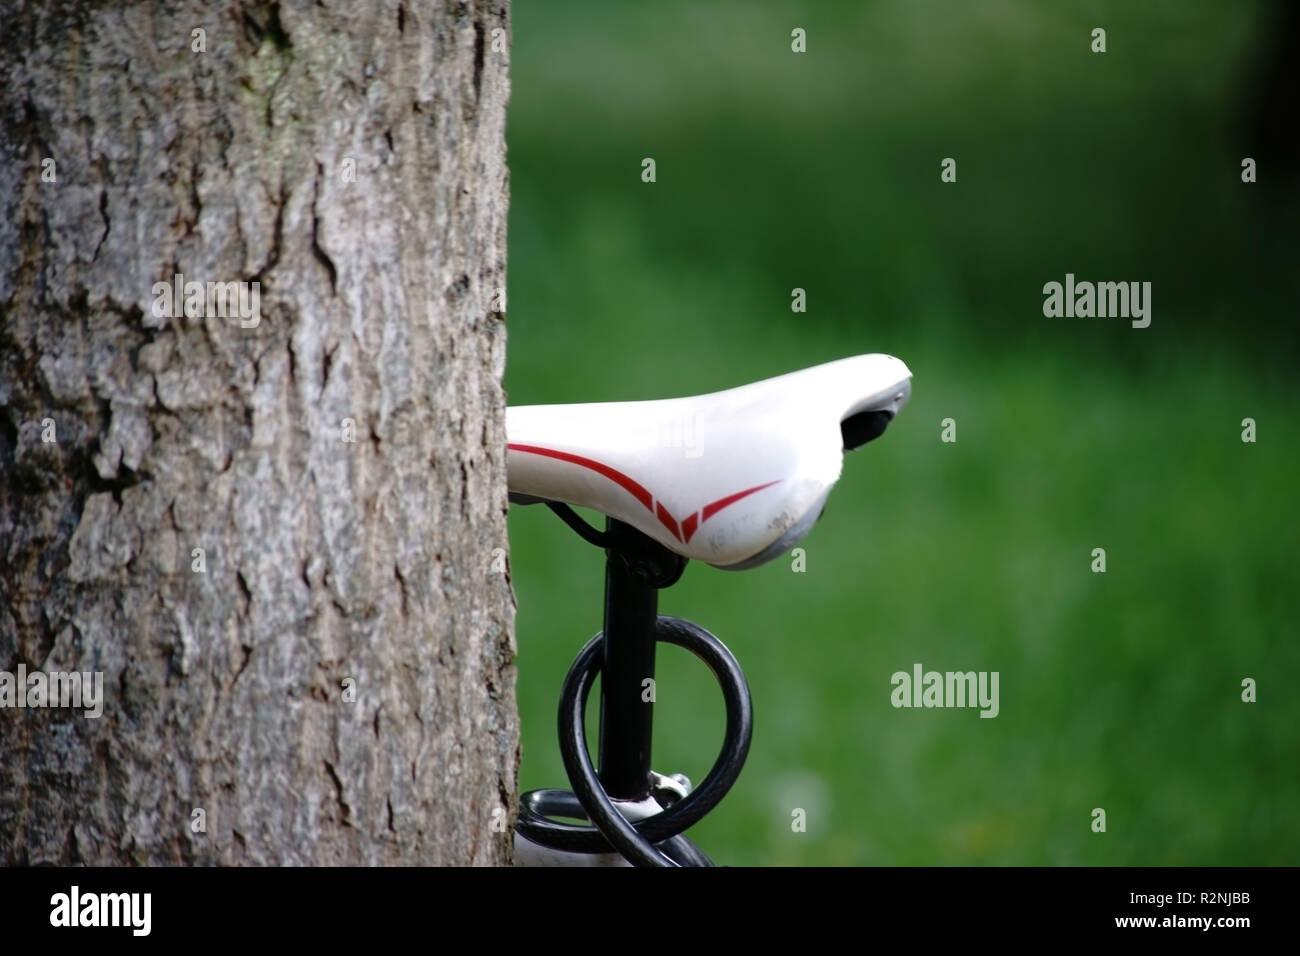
(820, 170)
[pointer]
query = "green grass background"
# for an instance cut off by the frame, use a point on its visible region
(775, 170)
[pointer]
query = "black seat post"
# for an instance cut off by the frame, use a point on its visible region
(623, 657)
(636, 567)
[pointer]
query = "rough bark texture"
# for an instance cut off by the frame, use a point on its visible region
(374, 560)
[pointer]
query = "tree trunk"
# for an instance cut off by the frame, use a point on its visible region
(278, 535)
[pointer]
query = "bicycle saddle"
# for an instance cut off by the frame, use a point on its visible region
(732, 478)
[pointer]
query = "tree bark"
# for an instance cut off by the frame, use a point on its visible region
(282, 541)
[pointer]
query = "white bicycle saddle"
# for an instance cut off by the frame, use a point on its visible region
(732, 478)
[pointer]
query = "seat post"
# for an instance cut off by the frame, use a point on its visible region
(635, 568)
